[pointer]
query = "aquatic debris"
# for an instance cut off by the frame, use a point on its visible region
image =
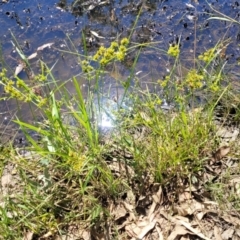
(44, 46)
(190, 5)
(96, 34)
(20, 66)
(191, 18)
(92, 6)
(32, 56)
(18, 69)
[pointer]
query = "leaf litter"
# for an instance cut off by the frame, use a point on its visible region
(187, 218)
(151, 213)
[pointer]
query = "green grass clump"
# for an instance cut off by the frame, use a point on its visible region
(67, 176)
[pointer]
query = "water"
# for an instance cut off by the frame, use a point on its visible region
(38, 22)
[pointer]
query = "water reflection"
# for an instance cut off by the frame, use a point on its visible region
(35, 23)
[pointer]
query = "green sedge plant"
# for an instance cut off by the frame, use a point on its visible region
(67, 176)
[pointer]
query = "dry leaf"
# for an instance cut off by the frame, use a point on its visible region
(225, 133)
(221, 152)
(132, 229)
(200, 215)
(130, 197)
(188, 208)
(18, 69)
(119, 212)
(32, 56)
(85, 235)
(158, 197)
(217, 234)
(193, 230)
(185, 238)
(237, 232)
(47, 235)
(6, 180)
(185, 224)
(28, 236)
(235, 184)
(235, 180)
(184, 196)
(227, 234)
(185, 219)
(146, 229)
(191, 188)
(44, 46)
(232, 220)
(177, 231)
(160, 234)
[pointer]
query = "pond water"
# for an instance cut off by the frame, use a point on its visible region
(38, 22)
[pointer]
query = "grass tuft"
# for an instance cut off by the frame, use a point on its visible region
(77, 169)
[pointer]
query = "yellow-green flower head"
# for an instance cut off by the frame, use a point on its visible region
(207, 56)
(28, 98)
(124, 42)
(194, 80)
(173, 50)
(96, 56)
(3, 73)
(101, 50)
(110, 51)
(122, 49)
(20, 83)
(120, 55)
(85, 63)
(103, 62)
(214, 87)
(114, 45)
(107, 56)
(10, 82)
(42, 102)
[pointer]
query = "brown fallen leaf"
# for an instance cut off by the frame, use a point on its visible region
(193, 230)
(182, 197)
(119, 212)
(160, 234)
(227, 234)
(189, 207)
(235, 184)
(132, 230)
(177, 232)
(232, 220)
(47, 235)
(220, 153)
(185, 224)
(149, 226)
(28, 236)
(237, 232)
(157, 200)
(6, 180)
(185, 237)
(217, 234)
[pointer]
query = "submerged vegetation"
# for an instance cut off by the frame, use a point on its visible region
(162, 161)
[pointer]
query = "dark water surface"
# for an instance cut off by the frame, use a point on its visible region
(37, 22)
